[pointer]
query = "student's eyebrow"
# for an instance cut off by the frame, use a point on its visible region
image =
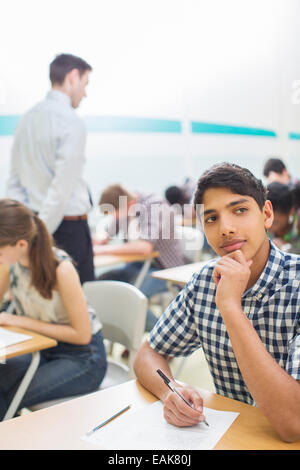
(232, 203)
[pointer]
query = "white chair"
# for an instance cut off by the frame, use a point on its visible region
(122, 310)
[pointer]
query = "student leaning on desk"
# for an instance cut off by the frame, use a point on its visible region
(241, 308)
(49, 300)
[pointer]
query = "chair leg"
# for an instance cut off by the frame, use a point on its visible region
(23, 386)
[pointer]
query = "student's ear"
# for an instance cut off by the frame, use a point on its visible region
(22, 244)
(268, 214)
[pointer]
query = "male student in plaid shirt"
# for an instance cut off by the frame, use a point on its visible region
(241, 308)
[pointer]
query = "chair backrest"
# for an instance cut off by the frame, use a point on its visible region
(122, 310)
(192, 240)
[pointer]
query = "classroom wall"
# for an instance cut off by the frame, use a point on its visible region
(177, 84)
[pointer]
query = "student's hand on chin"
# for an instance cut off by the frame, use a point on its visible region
(178, 413)
(231, 275)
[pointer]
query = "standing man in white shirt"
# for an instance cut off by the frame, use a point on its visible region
(48, 158)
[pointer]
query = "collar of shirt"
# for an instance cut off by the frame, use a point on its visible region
(273, 271)
(59, 96)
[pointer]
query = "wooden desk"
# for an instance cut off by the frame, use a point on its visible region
(179, 275)
(101, 261)
(34, 345)
(61, 426)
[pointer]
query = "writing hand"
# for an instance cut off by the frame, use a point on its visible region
(178, 413)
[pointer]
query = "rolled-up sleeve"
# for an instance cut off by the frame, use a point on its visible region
(293, 363)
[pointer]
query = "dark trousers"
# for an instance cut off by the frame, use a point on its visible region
(65, 370)
(74, 237)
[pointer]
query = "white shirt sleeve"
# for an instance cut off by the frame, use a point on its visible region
(69, 164)
(14, 188)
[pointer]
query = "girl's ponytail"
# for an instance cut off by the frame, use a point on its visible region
(43, 262)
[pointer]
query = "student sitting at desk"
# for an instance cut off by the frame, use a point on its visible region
(49, 300)
(147, 225)
(241, 308)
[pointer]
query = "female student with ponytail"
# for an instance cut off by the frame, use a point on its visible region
(49, 300)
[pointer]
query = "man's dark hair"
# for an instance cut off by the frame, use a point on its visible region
(233, 177)
(273, 164)
(281, 197)
(63, 64)
(174, 195)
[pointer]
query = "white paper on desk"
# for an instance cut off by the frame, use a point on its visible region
(7, 338)
(147, 429)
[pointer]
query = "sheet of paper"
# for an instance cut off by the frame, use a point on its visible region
(10, 337)
(147, 429)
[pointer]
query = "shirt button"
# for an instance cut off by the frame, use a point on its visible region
(258, 296)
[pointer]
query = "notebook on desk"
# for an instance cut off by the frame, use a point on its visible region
(7, 338)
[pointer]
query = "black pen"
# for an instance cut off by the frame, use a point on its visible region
(174, 389)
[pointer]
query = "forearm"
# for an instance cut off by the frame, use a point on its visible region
(275, 392)
(176, 411)
(64, 333)
(146, 362)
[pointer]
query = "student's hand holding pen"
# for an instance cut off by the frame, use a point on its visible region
(184, 407)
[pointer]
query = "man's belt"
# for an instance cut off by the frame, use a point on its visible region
(75, 217)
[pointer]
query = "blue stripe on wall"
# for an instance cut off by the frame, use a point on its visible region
(131, 124)
(8, 124)
(108, 124)
(294, 135)
(209, 128)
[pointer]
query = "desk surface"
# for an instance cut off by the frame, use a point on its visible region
(107, 260)
(179, 275)
(61, 426)
(36, 343)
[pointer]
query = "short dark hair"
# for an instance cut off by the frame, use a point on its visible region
(174, 195)
(274, 164)
(63, 64)
(281, 197)
(233, 177)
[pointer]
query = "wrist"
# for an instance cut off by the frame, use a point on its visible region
(231, 308)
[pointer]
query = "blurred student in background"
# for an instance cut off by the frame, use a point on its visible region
(275, 170)
(180, 195)
(147, 225)
(49, 300)
(285, 230)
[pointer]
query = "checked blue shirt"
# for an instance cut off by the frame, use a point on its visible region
(272, 305)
